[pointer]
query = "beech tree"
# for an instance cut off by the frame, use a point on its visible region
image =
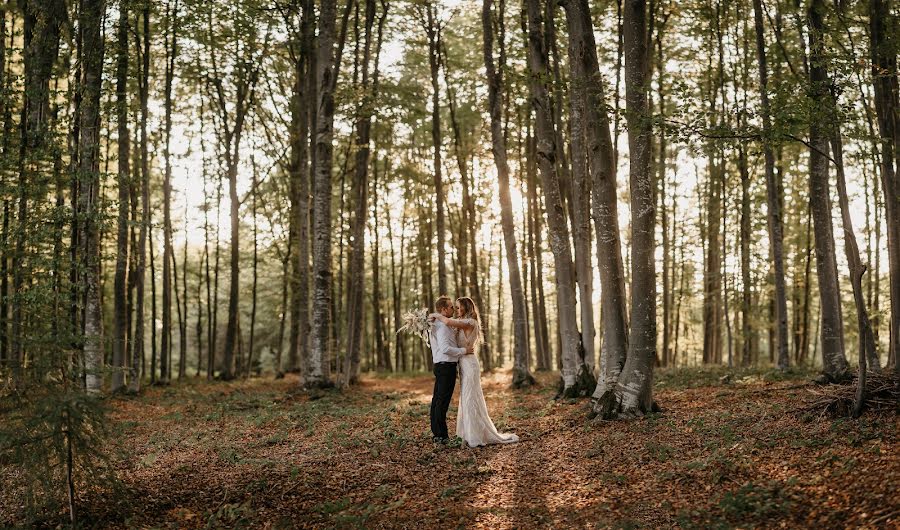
(317, 369)
(573, 366)
(521, 375)
(832, 330)
(633, 393)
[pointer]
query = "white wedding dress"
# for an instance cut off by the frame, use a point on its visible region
(473, 424)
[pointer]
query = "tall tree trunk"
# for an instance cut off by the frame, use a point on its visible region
(773, 195)
(396, 284)
(143, 46)
(91, 20)
(356, 300)
(633, 395)
(171, 44)
(667, 281)
(573, 366)
(183, 336)
(251, 346)
(857, 268)
(282, 320)
(245, 86)
(712, 278)
(581, 189)
(120, 309)
(460, 155)
(587, 86)
(382, 355)
(180, 316)
(200, 331)
(746, 299)
(535, 251)
(883, 30)
(521, 374)
(431, 30)
(214, 321)
(318, 373)
(210, 308)
(153, 300)
(834, 362)
(304, 85)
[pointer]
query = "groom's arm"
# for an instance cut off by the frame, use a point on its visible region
(448, 345)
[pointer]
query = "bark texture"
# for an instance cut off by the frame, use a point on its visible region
(318, 372)
(633, 393)
(834, 362)
(521, 374)
(545, 152)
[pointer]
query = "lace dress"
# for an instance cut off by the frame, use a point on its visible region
(473, 424)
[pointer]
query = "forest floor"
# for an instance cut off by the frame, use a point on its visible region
(261, 454)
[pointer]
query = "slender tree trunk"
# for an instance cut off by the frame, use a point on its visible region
(632, 395)
(396, 283)
(833, 360)
(245, 85)
(431, 32)
(171, 44)
(712, 279)
(251, 347)
(587, 86)
(90, 21)
(867, 346)
(581, 185)
(746, 299)
(773, 203)
(120, 309)
(666, 354)
(137, 364)
(382, 355)
(573, 365)
(355, 302)
(179, 315)
(318, 373)
(199, 329)
(729, 337)
(282, 321)
(521, 374)
(304, 85)
(153, 348)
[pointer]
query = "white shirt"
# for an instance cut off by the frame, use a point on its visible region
(443, 343)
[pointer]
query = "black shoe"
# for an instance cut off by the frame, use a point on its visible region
(439, 440)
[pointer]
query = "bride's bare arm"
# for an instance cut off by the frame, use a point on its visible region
(453, 323)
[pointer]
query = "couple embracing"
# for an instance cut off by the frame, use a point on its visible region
(455, 336)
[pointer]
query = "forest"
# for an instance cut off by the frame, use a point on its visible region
(678, 224)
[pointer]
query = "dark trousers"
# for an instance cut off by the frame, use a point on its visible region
(444, 383)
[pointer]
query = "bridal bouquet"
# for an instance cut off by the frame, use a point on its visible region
(416, 322)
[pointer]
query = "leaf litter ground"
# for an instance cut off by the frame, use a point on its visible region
(741, 454)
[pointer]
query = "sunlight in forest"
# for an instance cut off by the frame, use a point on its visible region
(449, 263)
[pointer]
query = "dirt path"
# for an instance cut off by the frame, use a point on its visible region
(256, 454)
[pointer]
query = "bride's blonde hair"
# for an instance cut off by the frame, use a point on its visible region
(470, 310)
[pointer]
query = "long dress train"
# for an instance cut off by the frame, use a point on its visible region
(473, 423)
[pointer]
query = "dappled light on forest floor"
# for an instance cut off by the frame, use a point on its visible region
(260, 453)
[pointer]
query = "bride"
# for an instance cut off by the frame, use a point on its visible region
(473, 424)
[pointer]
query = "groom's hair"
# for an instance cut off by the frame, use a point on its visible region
(442, 302)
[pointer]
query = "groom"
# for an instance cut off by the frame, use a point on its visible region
(445, 353)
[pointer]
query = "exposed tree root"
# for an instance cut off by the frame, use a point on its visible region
(609, 407)
(522, 380)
